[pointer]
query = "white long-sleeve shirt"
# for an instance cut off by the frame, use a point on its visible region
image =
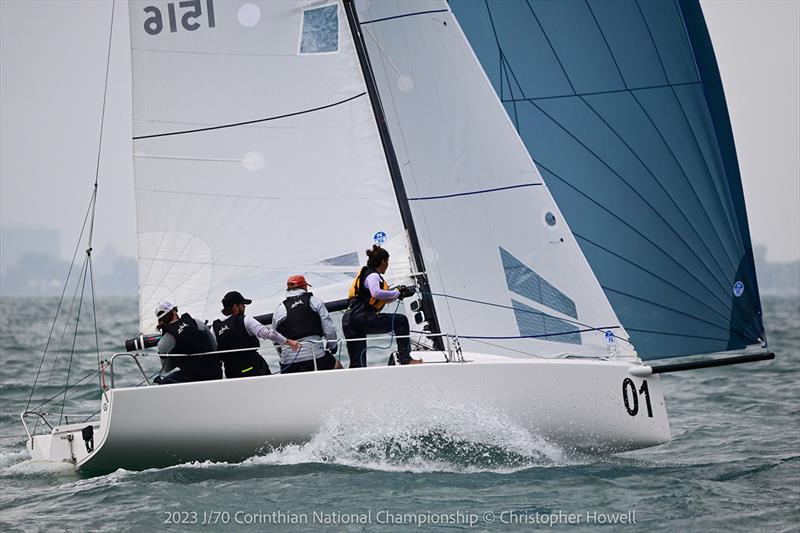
(257, 329)
(373, 283)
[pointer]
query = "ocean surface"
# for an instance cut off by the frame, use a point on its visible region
(733, 463)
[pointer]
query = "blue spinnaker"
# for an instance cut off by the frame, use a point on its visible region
(621, 106)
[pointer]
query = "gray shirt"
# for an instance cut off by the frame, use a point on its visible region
(311, 346)
(167, 343)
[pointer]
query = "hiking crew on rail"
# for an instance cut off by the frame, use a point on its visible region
(304, 317)
(185, 335)
(240, 331)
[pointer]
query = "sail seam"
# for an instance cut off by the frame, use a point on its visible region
(404, 15)
(643, 269)
(667, 255)
(248, 122)
(511, 71)
(673, 334)
(664, 189)
(594, 93)
(509, 337)
(652, 40)
(532, 311)
(633, 190)
(668, 308)
(547, 38)
(469, 193)
(608, 46)
(688, 181)
(721, 193)
(613, 57)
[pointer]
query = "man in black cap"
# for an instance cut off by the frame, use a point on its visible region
(182, 334)
(241, 331)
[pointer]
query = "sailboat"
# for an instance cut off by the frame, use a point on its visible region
(563, 225)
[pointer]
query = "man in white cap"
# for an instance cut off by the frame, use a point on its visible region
(239, 331)
(185, 335)
(303, 316)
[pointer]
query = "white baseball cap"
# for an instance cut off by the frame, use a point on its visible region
(163, 308)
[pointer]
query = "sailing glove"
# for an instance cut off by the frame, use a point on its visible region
(405, 292)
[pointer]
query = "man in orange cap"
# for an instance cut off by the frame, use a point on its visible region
(304, 317)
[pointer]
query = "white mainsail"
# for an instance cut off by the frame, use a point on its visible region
(256, 154)
(489, 229)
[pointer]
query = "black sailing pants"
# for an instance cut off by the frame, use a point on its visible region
(358, 324)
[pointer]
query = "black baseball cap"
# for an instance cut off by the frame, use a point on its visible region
(233, 298)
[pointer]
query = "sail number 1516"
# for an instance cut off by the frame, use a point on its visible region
(191, 11)
(631, 397)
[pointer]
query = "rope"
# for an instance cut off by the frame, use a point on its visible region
(74, 340)
(58, 309)
(491, 304)
(94, 318)
(363, 355)
(59, 393)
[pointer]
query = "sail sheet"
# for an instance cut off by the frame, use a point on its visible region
(256, 154)
(507, 275)
(620, 103)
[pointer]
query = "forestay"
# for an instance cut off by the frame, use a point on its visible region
(621, 105)
(257, 154)
(508, 276)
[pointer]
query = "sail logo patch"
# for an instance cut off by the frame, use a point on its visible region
(609, 336)
(379, 238)
(523, 281)
(738, 288)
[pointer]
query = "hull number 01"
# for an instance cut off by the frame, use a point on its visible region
(631, 397)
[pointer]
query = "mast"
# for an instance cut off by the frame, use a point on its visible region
(428, 307)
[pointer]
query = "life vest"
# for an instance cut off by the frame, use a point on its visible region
(188, 340)
(233, 335)
(359, 292)
(301, 320)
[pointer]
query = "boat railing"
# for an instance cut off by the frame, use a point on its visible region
(135, 356)
(38, 414)
(452, 352)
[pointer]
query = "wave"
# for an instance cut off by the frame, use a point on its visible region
(445, 440)
(19, 463)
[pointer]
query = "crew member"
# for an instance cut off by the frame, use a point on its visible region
(241, 331)
(182, 334)
(368, 294)
(303, 316)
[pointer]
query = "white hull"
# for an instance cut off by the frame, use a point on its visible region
(576, 404)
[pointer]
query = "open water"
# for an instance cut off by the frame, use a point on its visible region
(733, 463)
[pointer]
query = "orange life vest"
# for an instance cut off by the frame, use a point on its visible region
(360, 293)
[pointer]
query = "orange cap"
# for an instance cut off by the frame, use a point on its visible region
(297, 282)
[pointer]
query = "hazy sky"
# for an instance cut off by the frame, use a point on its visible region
(53, 57)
